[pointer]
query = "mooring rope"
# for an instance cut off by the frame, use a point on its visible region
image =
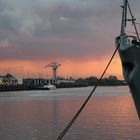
(62, 134)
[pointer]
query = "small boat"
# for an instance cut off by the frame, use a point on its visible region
(129, 50)
(49, 87)
(45, 87)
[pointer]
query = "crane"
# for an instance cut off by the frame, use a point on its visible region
(54, 66)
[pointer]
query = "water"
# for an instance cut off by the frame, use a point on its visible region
(42, 115)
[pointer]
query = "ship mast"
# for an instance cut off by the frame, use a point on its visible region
(124, 18)
(123, 24)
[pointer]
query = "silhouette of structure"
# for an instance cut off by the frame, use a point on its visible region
(54, 66)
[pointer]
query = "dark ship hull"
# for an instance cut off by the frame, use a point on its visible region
(130, 59)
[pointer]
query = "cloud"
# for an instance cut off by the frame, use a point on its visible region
(58, 29)
(5, 44)
(64, 18)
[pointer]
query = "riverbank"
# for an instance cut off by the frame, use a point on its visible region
(9, 88)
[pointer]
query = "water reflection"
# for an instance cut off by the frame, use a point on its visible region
(42, 115)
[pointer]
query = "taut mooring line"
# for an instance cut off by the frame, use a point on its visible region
(62, 134)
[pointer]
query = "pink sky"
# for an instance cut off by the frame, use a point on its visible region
(77, 34)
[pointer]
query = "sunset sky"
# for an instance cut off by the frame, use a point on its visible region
(78, 34)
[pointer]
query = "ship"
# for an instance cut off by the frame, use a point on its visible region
(48, 87)
(128, 45)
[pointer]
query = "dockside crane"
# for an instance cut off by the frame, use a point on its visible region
(54, 66)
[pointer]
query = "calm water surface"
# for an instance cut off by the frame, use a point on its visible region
(42, 115)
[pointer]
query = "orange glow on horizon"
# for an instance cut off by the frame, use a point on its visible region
(68, 69)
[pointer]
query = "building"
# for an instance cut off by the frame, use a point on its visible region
(32, 82)
(1, 80)
(65, 81)
(8, 79)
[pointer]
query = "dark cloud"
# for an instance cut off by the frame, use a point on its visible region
(40, 29)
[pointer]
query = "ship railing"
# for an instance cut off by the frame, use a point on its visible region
(130, 38)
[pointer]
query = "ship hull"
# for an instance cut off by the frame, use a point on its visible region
(130, 59)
